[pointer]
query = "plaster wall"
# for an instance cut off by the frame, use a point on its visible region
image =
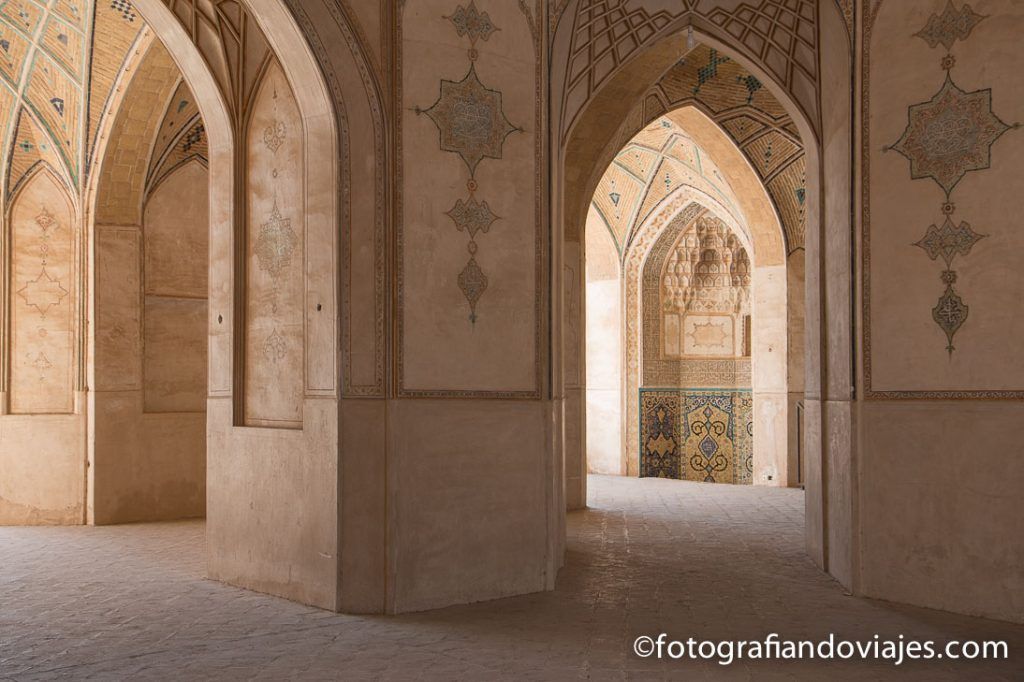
(937, 488)
(941, 512)
(275, 244)
(42, 421)
(605, 452)
(42, 469)
(148, 407)
(472, 510)
(450, 344)
(272, 524)
(468, 498)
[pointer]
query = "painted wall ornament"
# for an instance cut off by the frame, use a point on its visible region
(275, 244)
(950, 26)
(273, 135)
(275, 348)
(43, 292)
(472, 216)
(947, 137)
(471, 122)
(950, 135)
(468, 21)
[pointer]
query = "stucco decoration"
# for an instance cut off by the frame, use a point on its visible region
(947, 137)
(43, 275)
(471, 123)
(696, 299)
(674, 216)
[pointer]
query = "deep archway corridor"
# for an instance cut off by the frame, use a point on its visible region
(648, 556)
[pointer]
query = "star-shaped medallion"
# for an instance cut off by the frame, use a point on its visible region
(950, 135)
(470, 119)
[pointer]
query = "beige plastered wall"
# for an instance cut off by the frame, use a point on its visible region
(149, 424)
(42, 412)
(471, 507)
(940, 475)
(272, 503)
(605, 452)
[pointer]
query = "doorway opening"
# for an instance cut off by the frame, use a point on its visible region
(692, 285)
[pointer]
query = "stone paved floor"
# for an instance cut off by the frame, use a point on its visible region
(714, 562)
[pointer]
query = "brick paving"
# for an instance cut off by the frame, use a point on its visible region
(649, 556)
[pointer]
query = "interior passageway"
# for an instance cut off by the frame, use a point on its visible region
(649, 556)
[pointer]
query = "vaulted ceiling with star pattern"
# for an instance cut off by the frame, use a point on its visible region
(60, 63)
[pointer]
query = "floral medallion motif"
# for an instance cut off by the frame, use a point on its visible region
(470, 120)
(950, 135)
(950, 314)
(45, 221)
(274, 135)
(468, 21)
(276, 244)
(42, 363)
(950, 26)
(948, 241)
(275, 347)
(947, 137)
(472, 216)
(473, 283)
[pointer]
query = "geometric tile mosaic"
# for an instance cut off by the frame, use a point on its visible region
(697, 435)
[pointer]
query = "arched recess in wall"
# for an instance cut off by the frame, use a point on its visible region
(225, 50)
(274, 246)
(596, 105)
(42, 239)
(147, 195)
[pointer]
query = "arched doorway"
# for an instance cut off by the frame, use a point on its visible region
(689, 339)
(593, 121)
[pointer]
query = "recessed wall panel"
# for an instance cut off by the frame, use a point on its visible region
(42, 298)
(275, 247)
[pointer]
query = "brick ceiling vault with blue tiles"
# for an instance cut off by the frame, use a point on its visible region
(59, 63)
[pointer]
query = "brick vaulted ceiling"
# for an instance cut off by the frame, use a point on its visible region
(59, 63)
